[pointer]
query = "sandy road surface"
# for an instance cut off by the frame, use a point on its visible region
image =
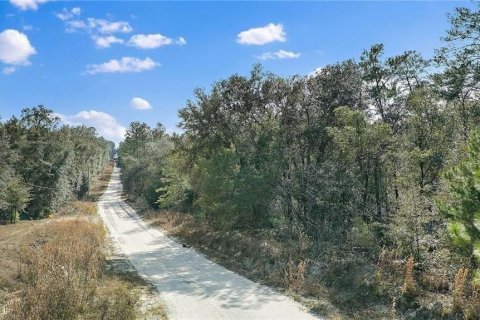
(191, 286)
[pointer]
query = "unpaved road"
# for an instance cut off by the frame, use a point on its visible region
(190, 285)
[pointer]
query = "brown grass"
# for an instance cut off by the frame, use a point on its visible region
(432, 282)
(295, 275)
(27, 233)
(472, 309)
(409, 288)
(466, 295)
(115, 301)
(78, 207)
(460, 289)
(61, 277)
(12, 238)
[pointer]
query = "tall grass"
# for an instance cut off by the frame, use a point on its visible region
(63, 277)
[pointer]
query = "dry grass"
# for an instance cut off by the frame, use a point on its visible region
(427, 292)
(77, 207)
(295, 275)
(433, 282)
(115, 301)
(118, 269)
(59, 280)
(466, 295)
(30, 233)
(409, 288)
(388, 272)
(62, 277)
(12, 238)
(460, 289)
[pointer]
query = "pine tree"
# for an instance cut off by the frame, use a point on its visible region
(16, 197)
(463, 210)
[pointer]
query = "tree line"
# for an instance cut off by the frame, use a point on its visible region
(43, 164)
(389, 144)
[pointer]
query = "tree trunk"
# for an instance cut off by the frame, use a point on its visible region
(13, 217)
(377, 190)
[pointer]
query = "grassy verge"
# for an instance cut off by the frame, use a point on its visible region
(61, 277)
(63, 268)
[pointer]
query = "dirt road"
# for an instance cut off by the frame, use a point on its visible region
(191, 286)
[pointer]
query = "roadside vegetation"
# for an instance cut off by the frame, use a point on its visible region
(64, 267)
(356, 185)
(61, 281)
(56, 261)
(44, 165)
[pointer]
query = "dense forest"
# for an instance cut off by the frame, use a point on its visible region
(376, 158)
(43, 165)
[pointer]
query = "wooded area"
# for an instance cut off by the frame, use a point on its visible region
(372, 159)
(43, 165)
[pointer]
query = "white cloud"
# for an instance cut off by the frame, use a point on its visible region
(64, 16)
(67, 15)
(15, 48)
(27, 27)
(181, 41)
(76, 11)
(258, 36)
(8, 70)
(280, 54)
(140, 104)
(149, 41)
(27, 4)
(108, 27)
(75, 25)
(106, 42)
(142, 41)
(106, 125)
(102, 32)
(99, 26)
(126, 64)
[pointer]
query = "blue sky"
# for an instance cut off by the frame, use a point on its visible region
(106, 63)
